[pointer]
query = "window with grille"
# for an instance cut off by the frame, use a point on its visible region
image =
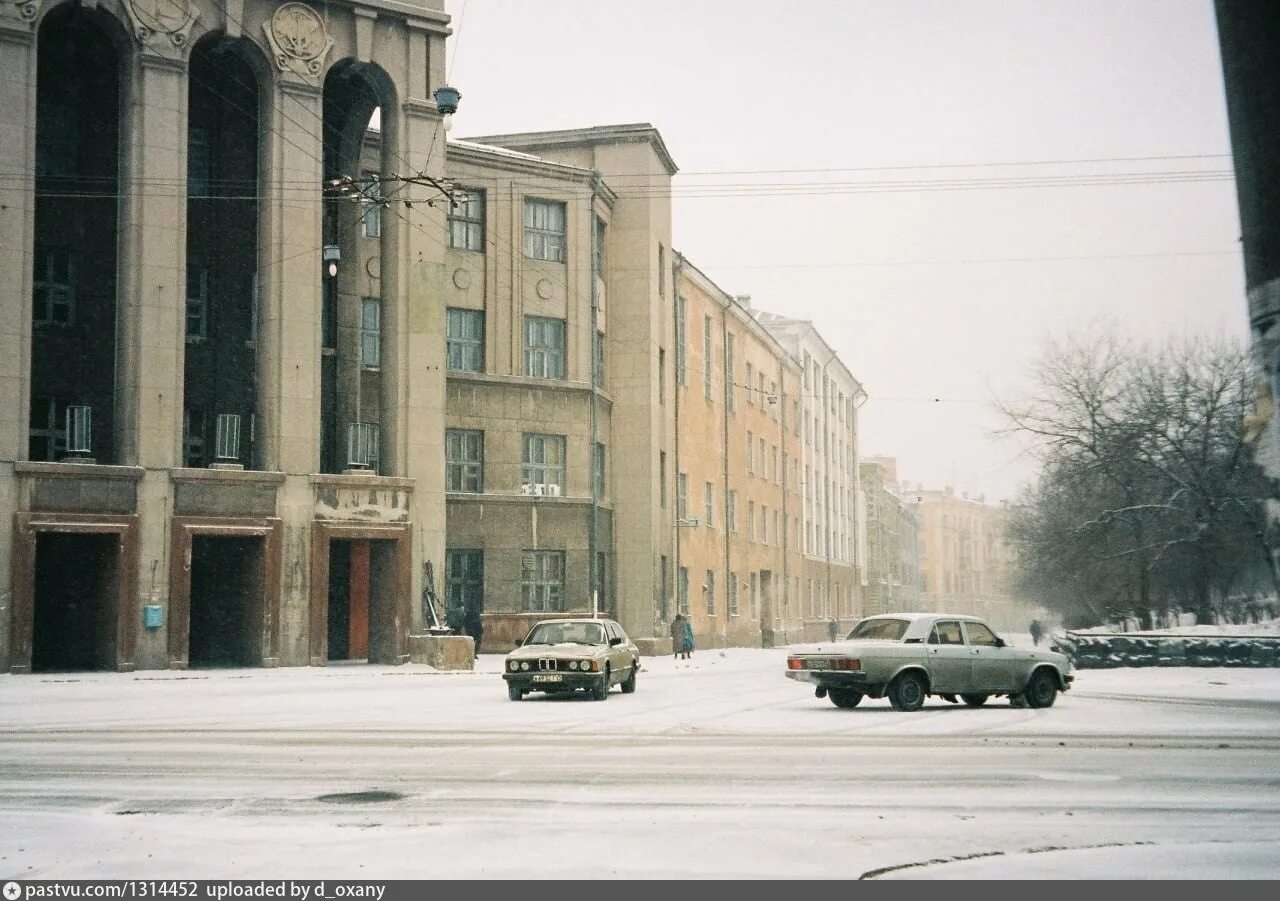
(543, 347)
(542, 581)
(464, 460)
(193, 438)
(597, 470)
(682, 496)
(47, 434)
(706, 357)
(709, 505)
(543, 460)
(682, 591)
(464, 580)
(371, 331)
(57, 141)
(362, 444)
(682, 376)
(53, 288)
(466, 221)
(731, 511)
(464, 340)
(544, 230)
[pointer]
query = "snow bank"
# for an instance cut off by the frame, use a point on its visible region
(1102, 651)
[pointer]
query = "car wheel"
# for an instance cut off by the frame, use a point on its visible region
(1042, 690)
(907, 692)
(974, 700)
(845, 700)
(514, 692)
(600, 690)
(629, 683)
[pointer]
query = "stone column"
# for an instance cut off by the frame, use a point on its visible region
(416, 276)
(151, 301)
(289, 331)
(17, 223)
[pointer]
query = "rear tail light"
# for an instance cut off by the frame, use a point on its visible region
(795, 663)
(852, 663)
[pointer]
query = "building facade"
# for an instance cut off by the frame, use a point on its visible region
(188, 473)
(966, 560)
(893, 541)
(735, 555)
(829, 530)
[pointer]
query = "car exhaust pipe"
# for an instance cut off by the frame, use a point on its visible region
(820, 692)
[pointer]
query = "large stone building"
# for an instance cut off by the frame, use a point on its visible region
(829, 530)
(893, 545)
(188, 473)
(276, 362)
(966, 560)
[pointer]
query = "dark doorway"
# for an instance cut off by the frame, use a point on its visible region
(349, 591)
(76, 587)
(227, 587)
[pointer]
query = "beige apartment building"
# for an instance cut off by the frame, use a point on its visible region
(893, 545)
(735, 557)
(829, 529)
(965, 558)
(187, 476)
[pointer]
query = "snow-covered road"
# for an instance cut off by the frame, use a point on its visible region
(715, 767)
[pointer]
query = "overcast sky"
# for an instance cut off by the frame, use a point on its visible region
(946, 294)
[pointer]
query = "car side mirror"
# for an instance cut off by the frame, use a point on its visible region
(999, 642)
(614, 642)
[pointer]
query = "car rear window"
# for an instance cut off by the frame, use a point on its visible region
(880, 629)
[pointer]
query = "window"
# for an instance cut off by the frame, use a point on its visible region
(682, 496)
(371, 331)
(542, 581)
(730, 389)
(599, 259)
(662, 271)
(58, 141)
(193, 438)
(682, 376)
(662, 376)
(773, 401)
(662, 479)
(54, 293)
(544, 230)
(751, 520)
(544, 460)
(682, 591)
(543, 347)
(664, 583)
(777, 467)
(750, 395)
(979, 634)
(706, 356)
(709, 505)
(464, 340)
(710, 589)
(464, 460)
(751, 453)
(197, 303)
(731, 594)
(47, 435)
(597, 470)
(597, 373)
(464, 581)
(371, 205)
(764, 524)
(466, 221)
(754, 584)
(946, 632)
(764, 463)
(731, 511)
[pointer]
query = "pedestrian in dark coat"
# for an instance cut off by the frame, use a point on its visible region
(688, 638)
(474, 625)
(1036, 631)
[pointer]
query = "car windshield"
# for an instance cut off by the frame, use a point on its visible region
(566, 633)
(880, 629)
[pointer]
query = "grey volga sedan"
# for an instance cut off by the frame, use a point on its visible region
(908, 656)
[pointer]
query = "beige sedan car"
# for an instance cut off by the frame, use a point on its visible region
(559, 656)
(909, 656)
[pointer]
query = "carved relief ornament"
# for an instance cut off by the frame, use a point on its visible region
(298, 38)
(162, 20)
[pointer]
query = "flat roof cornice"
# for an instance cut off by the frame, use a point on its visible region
(639, 132)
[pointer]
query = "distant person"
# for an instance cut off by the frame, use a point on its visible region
(473, 624)
(1036, 631)
(833, 629)
(688, 639)
(681, 637)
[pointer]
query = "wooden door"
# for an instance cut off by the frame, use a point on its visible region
(358, 622)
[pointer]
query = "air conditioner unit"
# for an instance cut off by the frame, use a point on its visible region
(539, 489)
(526, 489)
(553, 490)
(772, 398)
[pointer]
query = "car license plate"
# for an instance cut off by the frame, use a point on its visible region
(548, 677)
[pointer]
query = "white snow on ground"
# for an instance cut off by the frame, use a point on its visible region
(717, 766)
